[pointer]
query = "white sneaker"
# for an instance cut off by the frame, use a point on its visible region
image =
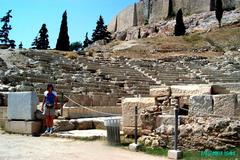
(47, 131)
(51, 130)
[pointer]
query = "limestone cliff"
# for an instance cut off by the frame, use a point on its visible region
(152, 11)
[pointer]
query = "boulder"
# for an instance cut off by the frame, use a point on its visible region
(189, 90)
(201, 105)
(225, 104)
(121, 35)
(160, 91)
(84, 125)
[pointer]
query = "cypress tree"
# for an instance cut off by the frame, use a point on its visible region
(42, 40)
(101, 32)
(86, 42)
(63, 38)
(179, 27)
(219, 11)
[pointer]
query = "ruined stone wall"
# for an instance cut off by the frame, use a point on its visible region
(191, 6)
(125, 19)
(112, 26)
(152, 11)
(140, 13)
(159, 10)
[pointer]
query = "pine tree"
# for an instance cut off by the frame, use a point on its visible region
(179, 27)
(12, 43)
(4, 32)
(20, 46)
(63, 38)
(75, 46)
(101, 32)
(219, 11)
(42, 40)
(34, 43)
(86, 42)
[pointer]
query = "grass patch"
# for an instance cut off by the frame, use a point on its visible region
(233, 154)
(158, 151)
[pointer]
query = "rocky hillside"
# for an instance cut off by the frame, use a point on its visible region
(203, 38)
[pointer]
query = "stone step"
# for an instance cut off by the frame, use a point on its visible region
(24, 127)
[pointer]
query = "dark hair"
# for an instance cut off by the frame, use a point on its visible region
(50, 85)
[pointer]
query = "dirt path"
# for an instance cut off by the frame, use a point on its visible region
(16, 147)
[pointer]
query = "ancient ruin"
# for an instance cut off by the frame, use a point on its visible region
(198, 74)
(152, 11)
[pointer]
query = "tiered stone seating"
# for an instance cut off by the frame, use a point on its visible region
(94, 76)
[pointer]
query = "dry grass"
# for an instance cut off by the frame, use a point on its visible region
(70, 55)
(209, 44)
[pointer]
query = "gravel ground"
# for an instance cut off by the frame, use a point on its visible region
(17, 147)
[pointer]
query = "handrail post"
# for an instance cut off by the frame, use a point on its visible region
(136, 125)
(62, 101)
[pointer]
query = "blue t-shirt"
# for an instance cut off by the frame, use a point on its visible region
(50, 97)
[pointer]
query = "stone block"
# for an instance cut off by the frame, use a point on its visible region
(3, 99)
(168, 120)
(23, 127)
(189, 90)
(65, 112)
(238, 106)
(225, 104)
(22, 105)
(229, 87)
(175, 154)
(128, 109)
(2, 122)
(160, 91)
(3, 112)
(131, 131)
(218, 89)
(98, 125)
(84, 100)
(84, 125)
(134, 147)
(63, 125)
(79, 112)
(201, 105)
(73, 112)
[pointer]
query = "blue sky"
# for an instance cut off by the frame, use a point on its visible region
(29, 15)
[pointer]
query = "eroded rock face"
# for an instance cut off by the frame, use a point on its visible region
(198, 133)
